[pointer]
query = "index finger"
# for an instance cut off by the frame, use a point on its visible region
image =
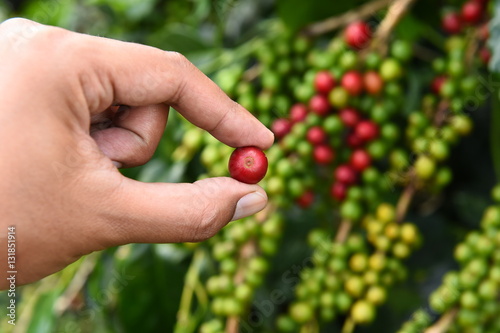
(143, 75)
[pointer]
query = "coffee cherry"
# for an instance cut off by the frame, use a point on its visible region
(352, 82)
(324, 82)
(437, 84)
(281, 127)
(373, 83)
(301, 312)
(425, 167)
(390, 69)
(319, 104)
(452, 23)
(357, 35)
(339, 191)
(360, 160)
(306, 199)
(316, 135)
(248, 165)
(363, 312)
(298, 113)
(338, 97)
(349, 117)
(485, 55)
(353, 141)
(472, 12)
(366, 130)
(323, 154)
(345, 174)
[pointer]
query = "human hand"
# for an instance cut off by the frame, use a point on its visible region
(62, 140)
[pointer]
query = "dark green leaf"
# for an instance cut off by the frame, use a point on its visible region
(297, 13)
(495, 128)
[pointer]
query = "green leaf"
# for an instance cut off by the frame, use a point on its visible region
(495, 127)
(43, 318)
(297, 13)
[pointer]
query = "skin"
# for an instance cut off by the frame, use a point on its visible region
(62, 142)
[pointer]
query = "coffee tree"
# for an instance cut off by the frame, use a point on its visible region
(377, 181)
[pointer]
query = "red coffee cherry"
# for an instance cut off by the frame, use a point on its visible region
(281, 127)
(360, 160)
(357, 35)
(452, 23)
(316, 135)
(298, 112)
(352, 81)
(324, 82)
(323, 154)
(319, 104)
(248, 165)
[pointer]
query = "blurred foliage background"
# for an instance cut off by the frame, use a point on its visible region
(138, 288)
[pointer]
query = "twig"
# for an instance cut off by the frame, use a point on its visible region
(343, 231)
(190, 287)
(349, 325)
(247, 251)
(336, 22)
(76, 284)
(405, 199)
(444, 323)
(396, 11)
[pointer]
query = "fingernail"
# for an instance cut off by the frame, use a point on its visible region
(250, 204)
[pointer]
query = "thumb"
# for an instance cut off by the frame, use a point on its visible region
(164, 213)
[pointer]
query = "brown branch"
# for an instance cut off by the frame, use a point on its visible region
(395, 13)
(247, 251)
(336, 22)
(343, 231)
(443, 324)
(405, 199)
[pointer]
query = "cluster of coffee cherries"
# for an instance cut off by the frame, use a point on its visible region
(337, 114)
(472, 292)
(351, 278)
(472, 14)
(241, 251)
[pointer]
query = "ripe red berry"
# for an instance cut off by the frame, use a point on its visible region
(339, 191)
(319, 104)
(324, 82)
(437, 83)
(352, 81)
(357, 34)
(306, 199)
(248, 165)
(316, 135)
(472, 12)
(485, 55)
(452, 23)
(323, 154)
(373, 82)
(353, 141)
(349, 117)
(360, 160)
(298, 112)
(281, 127)
(345, 174)
(366, 130)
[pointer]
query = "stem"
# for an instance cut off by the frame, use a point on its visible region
(405, 200)
(343, 231)
(246, 252)
(396, 11)
(349, 326)
(184, 324)
(76, 284)
(356, 14)
(443, 324)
